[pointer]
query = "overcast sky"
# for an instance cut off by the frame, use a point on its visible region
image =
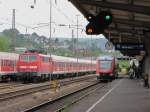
(63, 12)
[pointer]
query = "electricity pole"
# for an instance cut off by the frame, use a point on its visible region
(91, 51)
(50, 25)
(50, 34)
(77, 43)
(13, 31)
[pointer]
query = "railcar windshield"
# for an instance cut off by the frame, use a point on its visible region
(28, 58)
(105, 65)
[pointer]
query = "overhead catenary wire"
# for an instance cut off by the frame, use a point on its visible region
(22, 25)
(61, 12)
(36, 28)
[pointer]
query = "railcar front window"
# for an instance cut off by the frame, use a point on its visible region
(105, 64)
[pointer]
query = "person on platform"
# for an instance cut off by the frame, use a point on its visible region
(146, 81)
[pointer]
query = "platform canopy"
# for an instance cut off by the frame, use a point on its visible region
(131, 18)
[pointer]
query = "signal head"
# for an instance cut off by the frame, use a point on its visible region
(89, 28)
(104, 18)
(98, 24)
(92, 29)
(90, 17)
(107, 17)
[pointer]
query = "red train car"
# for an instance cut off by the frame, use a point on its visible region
(106, 68)
(8, 66)
(36, 67)
(71, 67)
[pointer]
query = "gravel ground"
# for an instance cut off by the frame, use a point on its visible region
(27, 101)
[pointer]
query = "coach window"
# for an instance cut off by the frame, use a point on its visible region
(70, 64)
(50, 59)
(2, 62)
(6, 62)
(13, 63)
(61, 64)
(45, 59)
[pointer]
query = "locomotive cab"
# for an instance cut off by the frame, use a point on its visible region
(28, 62)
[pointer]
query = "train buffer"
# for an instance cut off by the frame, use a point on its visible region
(124, 95)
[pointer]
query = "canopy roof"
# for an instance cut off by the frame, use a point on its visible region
(131, 18)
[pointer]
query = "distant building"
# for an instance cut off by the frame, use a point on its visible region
(20, 49)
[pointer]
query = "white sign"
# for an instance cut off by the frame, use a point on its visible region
(109, 45)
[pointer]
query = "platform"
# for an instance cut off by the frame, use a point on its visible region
(123, 95)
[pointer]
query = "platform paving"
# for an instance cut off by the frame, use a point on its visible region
(124, 95)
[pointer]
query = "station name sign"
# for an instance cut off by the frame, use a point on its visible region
(129, 46)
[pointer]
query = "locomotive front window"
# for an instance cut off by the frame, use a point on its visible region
(105, 64)
(24, 58)
(28, 58)
(32, 58)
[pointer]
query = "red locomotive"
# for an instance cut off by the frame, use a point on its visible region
(106, 67)
(34, 67)
(8, 66)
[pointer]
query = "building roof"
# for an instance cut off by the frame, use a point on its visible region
(9, 56)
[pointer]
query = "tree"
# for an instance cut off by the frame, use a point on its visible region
(4, 44)
(9, 32)
(56, 41)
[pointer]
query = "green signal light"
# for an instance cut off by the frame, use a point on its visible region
(107, 17)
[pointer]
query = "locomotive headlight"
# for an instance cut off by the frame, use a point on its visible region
(23, 67)
(33, 67)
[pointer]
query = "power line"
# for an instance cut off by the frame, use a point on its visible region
(60, 11)
(20, 24)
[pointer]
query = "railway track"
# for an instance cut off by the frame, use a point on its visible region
(19, 93)
(61, 103)
(9, 86)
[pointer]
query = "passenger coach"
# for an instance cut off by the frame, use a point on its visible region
(8, 66)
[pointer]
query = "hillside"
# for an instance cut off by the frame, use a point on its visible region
(57, 45)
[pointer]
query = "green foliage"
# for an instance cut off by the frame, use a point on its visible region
(63, 52)
(20, 40)
(87, 47)
(124, 64)
(4, 43)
